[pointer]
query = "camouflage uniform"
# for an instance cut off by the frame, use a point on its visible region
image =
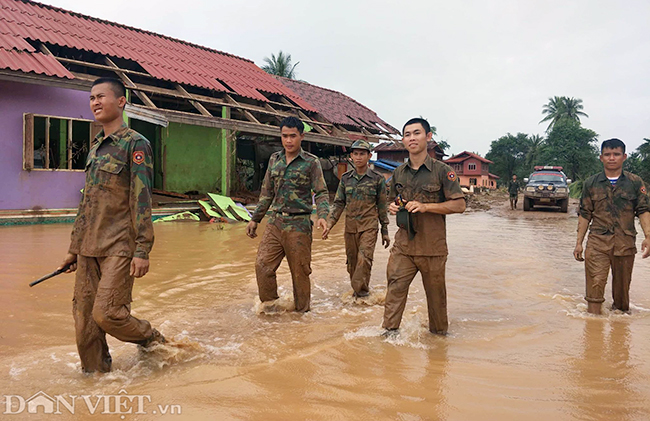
(112, 226)
(433, 182)
(612, 235)
(287, 194)
(363, 196)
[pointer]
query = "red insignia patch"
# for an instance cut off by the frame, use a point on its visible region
(138, 157)
(643, 190)
(451, 176)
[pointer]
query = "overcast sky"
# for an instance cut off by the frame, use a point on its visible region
(475, 69)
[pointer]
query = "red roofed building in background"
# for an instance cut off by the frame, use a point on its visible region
(395, 151)
(212, 118)
(473, 170)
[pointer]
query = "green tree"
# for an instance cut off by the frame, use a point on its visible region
(561, 108)
(444, 145)
(573, 147)
(508, 153)
(638, 162)
(535, 147)
(280, 65)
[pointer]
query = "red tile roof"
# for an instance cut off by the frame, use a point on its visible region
(338, 108)
(463, 156)
(32, 62)
(163, 57)
(391, 146)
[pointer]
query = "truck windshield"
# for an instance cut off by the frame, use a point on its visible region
(546, 178)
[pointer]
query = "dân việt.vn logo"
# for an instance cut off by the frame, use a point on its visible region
(121, 404)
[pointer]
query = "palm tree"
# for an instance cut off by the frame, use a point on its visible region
(280, 65)
(644, 149)
(562, 108)
(535, 144)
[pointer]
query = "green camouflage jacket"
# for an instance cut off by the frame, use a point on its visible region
(513, 187)
(364, 199)
(288, 189)
(611, 211)
(114, 217)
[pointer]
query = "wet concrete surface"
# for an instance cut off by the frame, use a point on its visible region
(521, 345)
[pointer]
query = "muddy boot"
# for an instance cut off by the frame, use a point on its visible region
(390, 333)
(155, 338)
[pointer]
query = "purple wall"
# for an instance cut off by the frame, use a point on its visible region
(21, 189)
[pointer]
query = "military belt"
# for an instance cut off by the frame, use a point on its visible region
(293, 213)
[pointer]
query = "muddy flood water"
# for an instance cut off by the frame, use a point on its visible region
(521, 346)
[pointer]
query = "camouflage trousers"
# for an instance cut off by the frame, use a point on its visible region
(359, 250)
(400, 271)
(101, 305)
(597, 266)
(275, 245)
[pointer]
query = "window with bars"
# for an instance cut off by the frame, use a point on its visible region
(56, 143)
(471, 166)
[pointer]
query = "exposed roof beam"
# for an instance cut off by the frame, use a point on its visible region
(129, 83)
(245, 126)
(195, 104)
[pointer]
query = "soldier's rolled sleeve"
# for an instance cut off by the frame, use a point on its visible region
(266, 195)
(319, 187)
(643, 200)
(586, 204)
(382, 206)
(338, 205)
(140, 198)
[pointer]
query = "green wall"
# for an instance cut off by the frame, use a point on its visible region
(193, 157)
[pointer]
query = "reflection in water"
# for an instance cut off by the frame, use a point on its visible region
(605, 381)
(513, 351)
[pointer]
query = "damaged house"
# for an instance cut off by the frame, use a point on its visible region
(212, 118)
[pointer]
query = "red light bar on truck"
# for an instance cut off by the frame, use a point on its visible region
(547, 167)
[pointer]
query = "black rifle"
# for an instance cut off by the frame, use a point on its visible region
(51, 275)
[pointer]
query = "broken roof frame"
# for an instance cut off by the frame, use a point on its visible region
(184, 103)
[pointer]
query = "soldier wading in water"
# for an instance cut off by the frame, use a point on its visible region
(291, 177)
(609, 202)
(112, 234)
(362, 193)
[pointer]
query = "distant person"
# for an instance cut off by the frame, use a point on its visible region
(609, 202)
(112, 234)
(362, 193)
(291, 177)
(425, 191)
(513, 189)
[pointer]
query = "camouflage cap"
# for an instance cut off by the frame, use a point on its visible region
(361, 144)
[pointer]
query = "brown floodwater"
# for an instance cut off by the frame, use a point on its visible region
(521, 346)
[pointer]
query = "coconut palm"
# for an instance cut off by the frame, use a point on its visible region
(535, 144)
(561, 108)
(280, 65)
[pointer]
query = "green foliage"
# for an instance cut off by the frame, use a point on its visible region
(443, 145)
(280, 65)
(509, 156)
(561, 108)
(574, 148)
(638, 162)
(575, 189)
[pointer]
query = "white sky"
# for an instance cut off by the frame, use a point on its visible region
(475, 69)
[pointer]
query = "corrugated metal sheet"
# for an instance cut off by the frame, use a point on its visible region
(10, 42)
(32, 62)
(337, 107)
(164, 58)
